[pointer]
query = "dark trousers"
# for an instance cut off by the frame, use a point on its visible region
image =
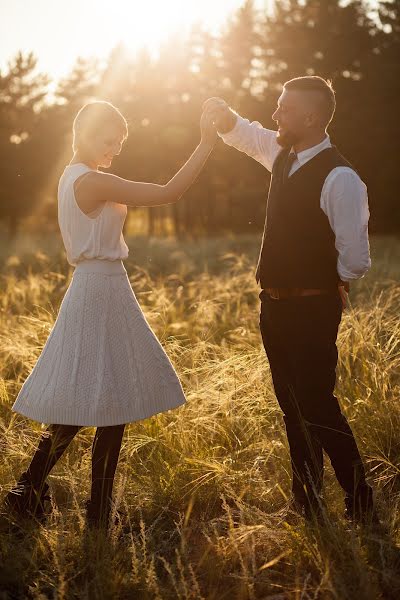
(299, 336)
(105, 453)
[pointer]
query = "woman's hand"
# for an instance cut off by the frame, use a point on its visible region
(224, 118)
(208, 132)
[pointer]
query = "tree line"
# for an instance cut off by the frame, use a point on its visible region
(354, 43)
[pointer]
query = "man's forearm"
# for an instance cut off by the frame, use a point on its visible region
(254, 140)
(353, 264)
(345, 202)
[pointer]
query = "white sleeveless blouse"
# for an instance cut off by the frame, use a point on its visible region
(96, 235)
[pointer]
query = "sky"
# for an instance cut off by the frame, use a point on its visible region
(60, 31)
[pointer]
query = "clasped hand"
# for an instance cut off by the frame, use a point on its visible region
(222, 116)
(217, 116)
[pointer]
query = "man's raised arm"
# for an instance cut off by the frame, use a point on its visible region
(251, 138)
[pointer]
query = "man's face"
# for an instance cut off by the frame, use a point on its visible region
(294, 117)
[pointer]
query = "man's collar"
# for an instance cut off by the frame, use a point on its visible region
(309, 153)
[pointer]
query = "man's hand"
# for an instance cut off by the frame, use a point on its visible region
(344, 288)
(223, 117)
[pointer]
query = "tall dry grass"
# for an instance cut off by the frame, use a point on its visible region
(205, 485)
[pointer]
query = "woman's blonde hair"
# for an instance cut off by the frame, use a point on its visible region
(92, 117)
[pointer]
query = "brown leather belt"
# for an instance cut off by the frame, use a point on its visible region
(281, 293)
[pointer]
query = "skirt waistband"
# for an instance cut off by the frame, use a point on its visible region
(100, 265)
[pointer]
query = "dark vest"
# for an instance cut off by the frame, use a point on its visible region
(298, 247)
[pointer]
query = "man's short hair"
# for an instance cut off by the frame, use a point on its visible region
(314, 83)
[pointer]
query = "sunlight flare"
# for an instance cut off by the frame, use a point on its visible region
(138, 24)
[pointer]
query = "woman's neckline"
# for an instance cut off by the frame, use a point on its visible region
(81, 163)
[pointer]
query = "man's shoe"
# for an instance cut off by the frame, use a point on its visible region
(365, 518)
(26, 501)
(362, 511)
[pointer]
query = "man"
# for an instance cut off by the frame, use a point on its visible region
(315, 242)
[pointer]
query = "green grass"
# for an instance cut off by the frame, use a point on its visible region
(204, 485)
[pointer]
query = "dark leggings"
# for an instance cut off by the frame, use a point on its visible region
(105, 453)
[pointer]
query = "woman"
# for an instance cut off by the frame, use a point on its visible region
(101, 365)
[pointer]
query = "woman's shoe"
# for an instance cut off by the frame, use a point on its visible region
(95, 517)
(96, 520)
(27, 502)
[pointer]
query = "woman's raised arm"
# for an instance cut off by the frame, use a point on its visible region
(100, 187)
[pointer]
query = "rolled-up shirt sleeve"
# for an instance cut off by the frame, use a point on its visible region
(254, 140)
(344, 200)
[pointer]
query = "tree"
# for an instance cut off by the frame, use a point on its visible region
(22, 94)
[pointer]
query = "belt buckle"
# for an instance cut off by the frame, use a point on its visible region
(274, 293)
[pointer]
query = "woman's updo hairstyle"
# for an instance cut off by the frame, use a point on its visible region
(92, 117)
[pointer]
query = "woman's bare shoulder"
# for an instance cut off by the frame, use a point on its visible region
(88, 190)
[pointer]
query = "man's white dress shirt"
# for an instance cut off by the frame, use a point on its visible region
(344, 197)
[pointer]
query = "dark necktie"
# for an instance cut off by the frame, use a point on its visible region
(292, 156)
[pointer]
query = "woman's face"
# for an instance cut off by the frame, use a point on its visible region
(106, 144)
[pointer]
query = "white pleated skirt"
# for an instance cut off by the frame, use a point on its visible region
(102, 364)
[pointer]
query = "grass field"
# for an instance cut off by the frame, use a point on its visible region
(205, 486)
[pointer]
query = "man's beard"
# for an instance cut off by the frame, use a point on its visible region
(287, 139)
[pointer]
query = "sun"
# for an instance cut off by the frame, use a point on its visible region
(92, 28)
(147, 23)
